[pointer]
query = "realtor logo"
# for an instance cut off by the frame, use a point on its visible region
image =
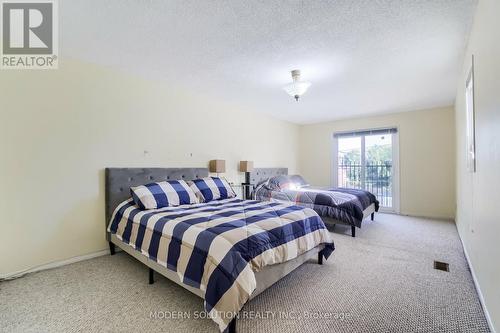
(29, 34)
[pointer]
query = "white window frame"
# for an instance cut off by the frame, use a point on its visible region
(470, 121)
(395, 164)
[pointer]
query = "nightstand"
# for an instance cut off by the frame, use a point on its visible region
(247, 191)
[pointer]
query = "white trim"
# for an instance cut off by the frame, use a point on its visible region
(335, 160)
(476, 284)
(363, 162)
(396, 173)
(54, 264)
(429, 217)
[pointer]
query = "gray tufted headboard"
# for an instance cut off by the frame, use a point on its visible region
(119, 180)
(260, 174)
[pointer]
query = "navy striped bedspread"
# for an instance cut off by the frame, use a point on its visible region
(217, 246)
(343, 204)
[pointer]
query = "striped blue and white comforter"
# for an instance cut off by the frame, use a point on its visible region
(217, 246)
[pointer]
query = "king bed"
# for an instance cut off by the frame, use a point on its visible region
(335, 205)
(225, 251)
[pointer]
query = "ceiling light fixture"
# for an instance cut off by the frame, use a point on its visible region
(297, 88)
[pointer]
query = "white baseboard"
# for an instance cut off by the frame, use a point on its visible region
(54, 264)
(478, 288)
(439, 218)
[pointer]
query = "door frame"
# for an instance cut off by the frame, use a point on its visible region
(395, 165)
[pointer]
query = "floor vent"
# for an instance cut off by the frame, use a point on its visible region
(442, 266)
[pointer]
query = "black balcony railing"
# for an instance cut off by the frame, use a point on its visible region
(373, 177)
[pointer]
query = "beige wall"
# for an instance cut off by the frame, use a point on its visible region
(427, 157)
(478, 194)
(61, 128)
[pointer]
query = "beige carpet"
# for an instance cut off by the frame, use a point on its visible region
(381, 281)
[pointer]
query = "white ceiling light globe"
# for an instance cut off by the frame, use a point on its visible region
(297, 88)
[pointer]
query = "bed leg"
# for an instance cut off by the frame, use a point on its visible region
(373, 216)
(320, 257)
(112, 248)
(353, 231)
(231, 328)
(151, 276)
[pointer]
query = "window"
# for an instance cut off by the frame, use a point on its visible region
(368, 160)
(470, 121)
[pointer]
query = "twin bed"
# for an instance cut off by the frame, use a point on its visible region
(225, 251)
(335, 205)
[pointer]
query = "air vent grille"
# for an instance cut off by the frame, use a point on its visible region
(442, 266)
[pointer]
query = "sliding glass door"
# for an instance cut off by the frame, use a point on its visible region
(368, 160)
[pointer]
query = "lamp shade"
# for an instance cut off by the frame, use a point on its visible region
(246, 166)
(217, 166)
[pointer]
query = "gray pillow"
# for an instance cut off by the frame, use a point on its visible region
(298, 180)
(277, 183)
